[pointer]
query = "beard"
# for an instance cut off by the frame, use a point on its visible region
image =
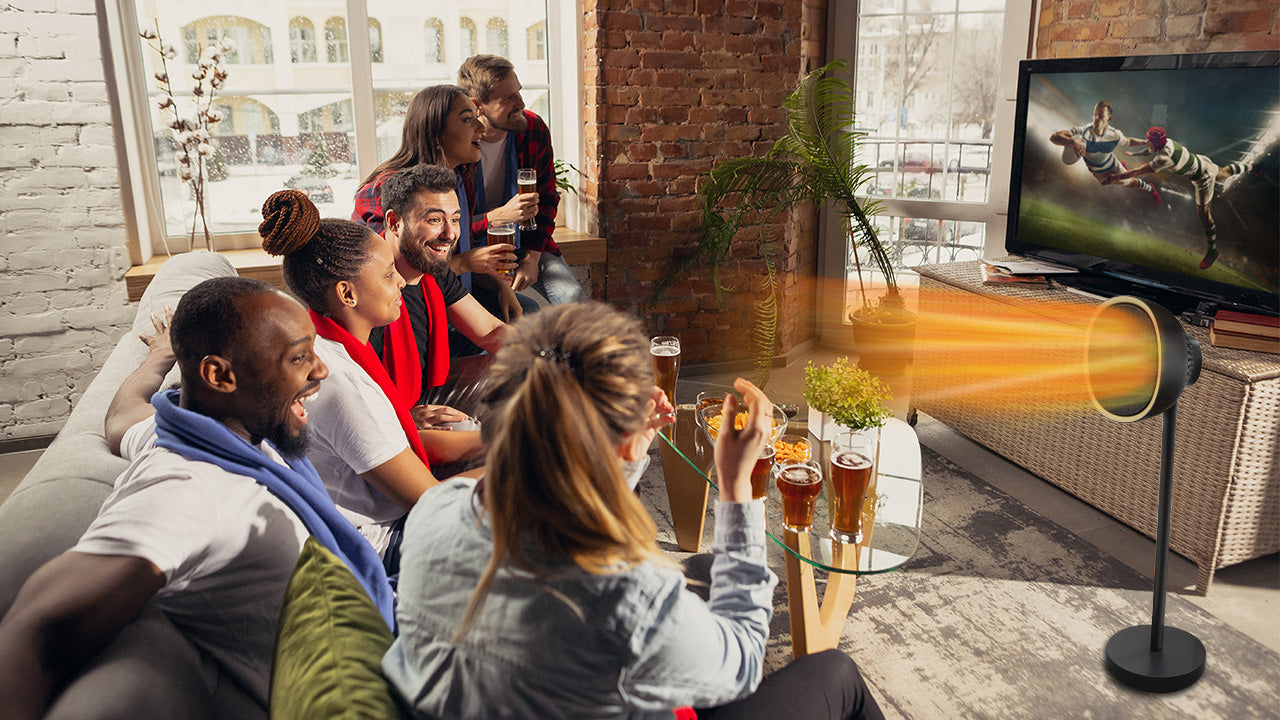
(287, 443)
(514, 122)
(419, 258)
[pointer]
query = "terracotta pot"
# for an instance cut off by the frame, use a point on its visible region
(884, 348)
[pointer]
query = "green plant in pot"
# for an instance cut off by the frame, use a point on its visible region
(816, 161)
(855, 401)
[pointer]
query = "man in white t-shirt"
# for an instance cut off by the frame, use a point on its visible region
(1096, 143)
(211, 548)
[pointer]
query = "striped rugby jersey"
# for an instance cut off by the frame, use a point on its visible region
(1100, 150)
(1175, 157)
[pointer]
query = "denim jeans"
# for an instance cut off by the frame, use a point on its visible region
(556, 282)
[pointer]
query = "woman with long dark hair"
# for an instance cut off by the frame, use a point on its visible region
(441, 128)
(540, 591)
(372, 457)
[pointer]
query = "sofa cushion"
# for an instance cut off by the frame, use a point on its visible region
(329, 645)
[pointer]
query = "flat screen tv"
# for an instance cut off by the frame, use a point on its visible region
(1126, 168)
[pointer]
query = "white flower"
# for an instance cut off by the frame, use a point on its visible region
(204, 149)
(166, 103)
(214, 116)
(185, 173)
(205, 63)
(226, 45)
(147, 33)
(168, 51)
(162, 76)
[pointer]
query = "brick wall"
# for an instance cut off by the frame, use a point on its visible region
(672, 87)
(1095, 28)
(62, 303)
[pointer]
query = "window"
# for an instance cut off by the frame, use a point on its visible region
(927, 77)
(433, 40)
(302, 41)
(375, 40)
(251, 40)
(536, 40)
(495, 37)
(282, 120)
(468, 37)
(335, 40)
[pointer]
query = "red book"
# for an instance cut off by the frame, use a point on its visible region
(1247, 323)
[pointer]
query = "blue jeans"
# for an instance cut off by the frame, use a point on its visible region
(556, 282)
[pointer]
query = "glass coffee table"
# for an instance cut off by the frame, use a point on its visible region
(892, 512)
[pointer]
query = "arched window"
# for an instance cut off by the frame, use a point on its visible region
(252, 40)
(495, 37)
(536, 41)
(468, 37)
(433, 40)
(375, 40)
(335, 40)
(302, 40)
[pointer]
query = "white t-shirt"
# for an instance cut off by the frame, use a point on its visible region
(225, 545)
(354, 429)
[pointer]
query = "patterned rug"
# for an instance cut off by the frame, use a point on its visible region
(1004, 614)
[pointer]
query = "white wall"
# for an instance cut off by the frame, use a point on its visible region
(62, 235)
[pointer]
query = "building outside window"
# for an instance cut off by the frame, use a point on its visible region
(495, 37)
(468, 37)
(536, 40)
(298, 124)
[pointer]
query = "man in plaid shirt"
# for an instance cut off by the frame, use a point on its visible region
(516, 138)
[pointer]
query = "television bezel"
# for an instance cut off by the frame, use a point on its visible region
(1106, 275)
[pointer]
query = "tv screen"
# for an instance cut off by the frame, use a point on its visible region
(1153, 173)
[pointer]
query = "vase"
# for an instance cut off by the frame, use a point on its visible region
(884, 347)
(821, 426)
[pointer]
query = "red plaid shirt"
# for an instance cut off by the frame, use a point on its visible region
(533, 150)
(368, 209)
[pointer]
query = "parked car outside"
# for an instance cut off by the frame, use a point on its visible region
(915, 161)
(972, 159)
(319, 190)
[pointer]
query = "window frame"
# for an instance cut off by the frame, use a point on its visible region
(1018, 37)
(146, 234)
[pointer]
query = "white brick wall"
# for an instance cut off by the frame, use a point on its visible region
(62, 251)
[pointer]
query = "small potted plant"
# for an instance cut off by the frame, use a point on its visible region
(845, 395)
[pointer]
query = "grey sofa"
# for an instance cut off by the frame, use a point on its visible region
(150, 671)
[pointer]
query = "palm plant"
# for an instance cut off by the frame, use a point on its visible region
(816, 161)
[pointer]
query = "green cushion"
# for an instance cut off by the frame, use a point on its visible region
(329, 646)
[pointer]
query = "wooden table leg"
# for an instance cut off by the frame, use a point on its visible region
(687, 491)
(816, 627)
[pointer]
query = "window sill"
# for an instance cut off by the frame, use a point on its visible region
(578, 248)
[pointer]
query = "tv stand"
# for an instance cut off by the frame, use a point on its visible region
(1107, 287)
(1226, 476)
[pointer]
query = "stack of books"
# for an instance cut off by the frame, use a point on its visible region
(1245, 331)
(992, 275)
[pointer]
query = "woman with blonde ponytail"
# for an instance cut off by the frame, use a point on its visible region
(539, 591)
(373, 458)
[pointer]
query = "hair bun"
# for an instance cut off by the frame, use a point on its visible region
(289, 221)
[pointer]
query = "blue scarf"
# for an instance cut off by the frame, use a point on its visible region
(202, 439)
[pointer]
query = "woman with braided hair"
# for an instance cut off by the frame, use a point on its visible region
(540, 591)
(373, 458)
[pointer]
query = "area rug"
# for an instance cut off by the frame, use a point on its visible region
(1002, 613)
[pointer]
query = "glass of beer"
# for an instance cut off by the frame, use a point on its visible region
(527, 182)
(760, 473)
(853, 455)
(664, 350)
(502, 231)
(799, 484)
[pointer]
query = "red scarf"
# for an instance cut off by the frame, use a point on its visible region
(400, 349)
(367, 359)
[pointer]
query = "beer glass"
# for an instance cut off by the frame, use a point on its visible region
(527, 182)
(502, 231)
(664, 350)
(760, 473)
(852, 462)
(799, 484)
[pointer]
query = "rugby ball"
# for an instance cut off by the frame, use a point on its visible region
(1069, 155)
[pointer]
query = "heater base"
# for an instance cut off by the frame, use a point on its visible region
(1131, 660)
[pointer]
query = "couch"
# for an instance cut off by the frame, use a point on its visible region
(150, 670)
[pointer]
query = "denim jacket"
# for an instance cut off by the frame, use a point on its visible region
(630, 644)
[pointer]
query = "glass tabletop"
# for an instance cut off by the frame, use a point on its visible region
(892, 511)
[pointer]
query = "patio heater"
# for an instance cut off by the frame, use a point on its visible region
(1133, 375)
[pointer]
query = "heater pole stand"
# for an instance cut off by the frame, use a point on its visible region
(1152, 657)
